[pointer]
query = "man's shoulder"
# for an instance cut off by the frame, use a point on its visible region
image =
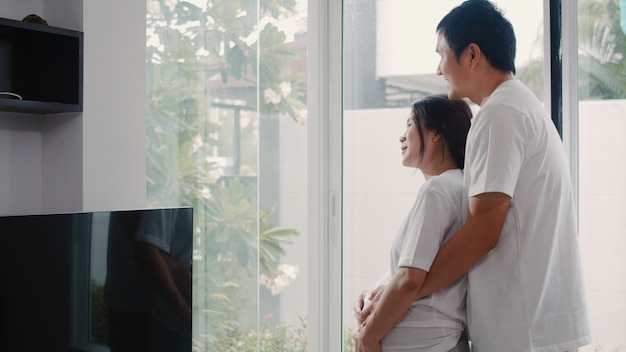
(511, 105)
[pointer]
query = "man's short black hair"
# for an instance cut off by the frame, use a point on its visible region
(480, 22)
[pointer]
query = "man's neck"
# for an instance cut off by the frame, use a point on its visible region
(494, 79)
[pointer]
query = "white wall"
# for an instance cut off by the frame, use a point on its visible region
(602, 192)
(93, 160)
(20, 157)
(378, 194)
(114, 128)
(17, 9)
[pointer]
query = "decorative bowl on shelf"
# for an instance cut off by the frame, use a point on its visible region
(10, 95)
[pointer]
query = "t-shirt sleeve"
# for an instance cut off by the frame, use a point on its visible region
(495, 151)
(154, 228)
(428, 223)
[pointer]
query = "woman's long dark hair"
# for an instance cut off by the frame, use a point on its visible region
(449, 118)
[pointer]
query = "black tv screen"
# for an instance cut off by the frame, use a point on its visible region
(54, 270)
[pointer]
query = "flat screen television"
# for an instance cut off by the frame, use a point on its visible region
(53, 269)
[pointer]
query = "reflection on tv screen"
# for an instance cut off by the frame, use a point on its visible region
(83, 281)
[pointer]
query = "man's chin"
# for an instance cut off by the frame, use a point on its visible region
(452, 95)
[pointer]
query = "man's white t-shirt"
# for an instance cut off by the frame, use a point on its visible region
(527, 294)
(434, 323)
(171, 231)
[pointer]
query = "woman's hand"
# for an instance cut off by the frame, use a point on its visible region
(363, 344)
(366, 303)
(358, 309)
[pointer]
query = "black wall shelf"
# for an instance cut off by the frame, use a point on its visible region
(41, 64)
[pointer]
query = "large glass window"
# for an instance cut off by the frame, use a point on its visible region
(389, 62)
(226, 134)
(602, 190)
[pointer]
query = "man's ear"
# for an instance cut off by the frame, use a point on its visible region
(475, 53)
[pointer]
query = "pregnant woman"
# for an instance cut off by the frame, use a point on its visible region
(434, 143)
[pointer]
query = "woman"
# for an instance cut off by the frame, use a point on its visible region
(434, 142)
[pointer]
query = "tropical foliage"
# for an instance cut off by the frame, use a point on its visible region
(205, 87)
(601, 49)
(270, 337)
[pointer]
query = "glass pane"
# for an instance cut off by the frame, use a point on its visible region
(602, 190)
(226, 132)
(389, 62)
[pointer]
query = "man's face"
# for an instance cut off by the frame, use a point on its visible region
(451, 69)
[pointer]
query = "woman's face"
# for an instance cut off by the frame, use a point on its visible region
(410, 143)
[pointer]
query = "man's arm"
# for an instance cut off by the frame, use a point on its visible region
(479, 235)
(154, 262)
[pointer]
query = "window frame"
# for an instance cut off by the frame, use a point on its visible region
(569, 50)
(324, 160)
(561, 75)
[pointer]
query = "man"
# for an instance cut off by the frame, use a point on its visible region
(163, 249)
(127, 291)
(519, 242)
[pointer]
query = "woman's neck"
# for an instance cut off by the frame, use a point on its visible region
(438, 169)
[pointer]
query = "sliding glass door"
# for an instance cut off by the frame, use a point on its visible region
(227, 134)
(389, 62)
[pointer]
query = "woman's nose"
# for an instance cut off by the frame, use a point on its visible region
(402, 138)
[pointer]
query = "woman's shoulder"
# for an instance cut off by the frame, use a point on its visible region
(449, 181)
(448, 176)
